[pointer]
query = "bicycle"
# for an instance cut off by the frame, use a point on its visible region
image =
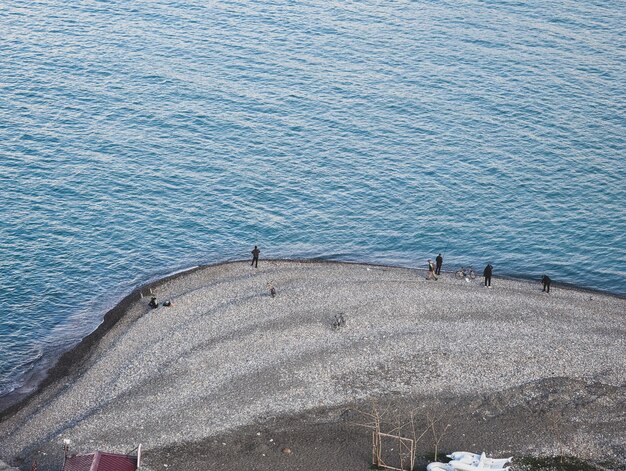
(465, 272)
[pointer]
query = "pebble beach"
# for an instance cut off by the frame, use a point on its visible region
(227, 357)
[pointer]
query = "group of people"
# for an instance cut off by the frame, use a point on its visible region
(154, 303)
(434, 270)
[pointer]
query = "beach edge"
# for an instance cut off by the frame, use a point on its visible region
(73, 360)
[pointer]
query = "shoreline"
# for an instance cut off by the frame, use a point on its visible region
(227, 357)
(67, 363)
(64, 364)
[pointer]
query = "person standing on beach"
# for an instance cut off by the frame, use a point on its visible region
(487, 274)
(431, 271)
(255, 257)
(439, 261)
(545, 281)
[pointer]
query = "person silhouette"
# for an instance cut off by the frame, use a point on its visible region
(545, 280)
(431, 271)
(255, 257)
(439, 261)
(487, 274)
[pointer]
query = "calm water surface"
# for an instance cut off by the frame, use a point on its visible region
(138, 138)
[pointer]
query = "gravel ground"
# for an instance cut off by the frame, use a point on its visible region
(6, 467)
(226, 355)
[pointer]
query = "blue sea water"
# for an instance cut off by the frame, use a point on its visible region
(138, 138)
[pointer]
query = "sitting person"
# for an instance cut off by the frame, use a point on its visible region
(153, 302)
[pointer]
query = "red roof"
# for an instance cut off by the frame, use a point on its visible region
(99, 461)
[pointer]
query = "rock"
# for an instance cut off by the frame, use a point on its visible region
(6, 467)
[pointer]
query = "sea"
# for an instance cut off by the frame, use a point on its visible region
(141, 138)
